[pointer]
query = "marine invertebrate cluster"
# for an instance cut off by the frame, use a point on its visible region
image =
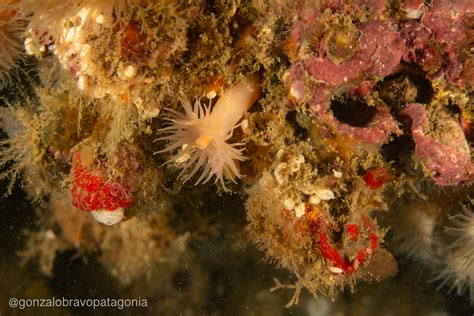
(143, 41)
(334, 120)
(440, 226)
(376, 51)
(296, 213)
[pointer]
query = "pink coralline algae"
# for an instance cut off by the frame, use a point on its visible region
(378, 53)
(445, 18)
(376, 131)
(413, 9)
(443, 151)
(420, 49)
(436, 42)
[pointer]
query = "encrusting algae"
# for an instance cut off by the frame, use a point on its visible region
(343, 128)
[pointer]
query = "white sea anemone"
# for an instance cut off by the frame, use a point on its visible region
(55, 12)
(10, 48)
(458, 272)
(203, 133)
(415, 238)
(413, 224)
(56, 20)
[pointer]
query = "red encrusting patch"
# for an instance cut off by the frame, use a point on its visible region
(335, 256)
(91, 191)
(374, 179)
(353, 231)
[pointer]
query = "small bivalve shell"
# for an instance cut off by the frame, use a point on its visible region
(314, 199)
(127, 72)
(299, 210)
(325, 194)
(289, 204)
(335, 270)
(108, 217)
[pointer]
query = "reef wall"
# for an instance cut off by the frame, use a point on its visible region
(344, 130)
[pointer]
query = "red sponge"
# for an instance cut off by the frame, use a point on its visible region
(93, 191)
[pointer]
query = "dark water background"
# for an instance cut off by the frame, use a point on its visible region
(229, 273)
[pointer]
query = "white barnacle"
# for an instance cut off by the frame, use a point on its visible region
(206, 133)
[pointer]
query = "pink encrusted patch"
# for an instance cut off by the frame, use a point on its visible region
(378, 53)
(447, 156)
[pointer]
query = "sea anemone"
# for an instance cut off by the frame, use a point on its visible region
(458, 274)
(413, 225)
(204, 133)
(459, 255)
(53, 16)
(10, 32)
